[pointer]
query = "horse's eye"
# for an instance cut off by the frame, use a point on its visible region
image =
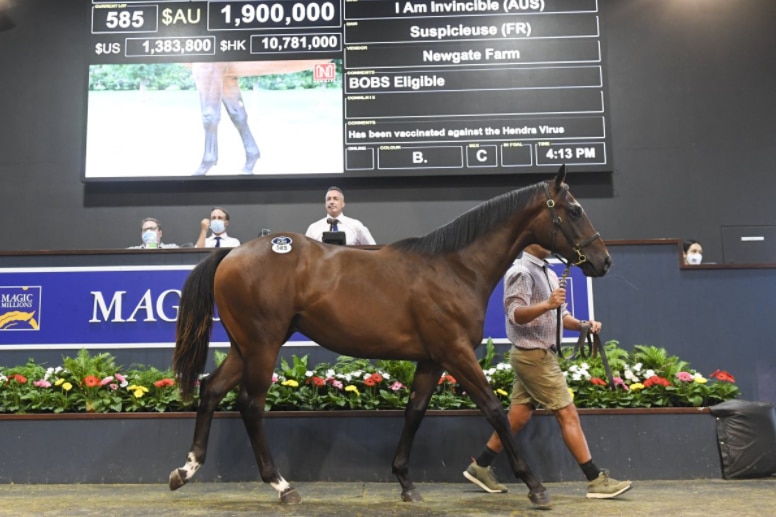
(575, 211)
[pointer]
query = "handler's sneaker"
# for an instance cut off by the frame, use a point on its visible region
(604, 487)
(484, 478)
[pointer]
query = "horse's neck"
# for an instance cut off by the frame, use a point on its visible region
(493, 252)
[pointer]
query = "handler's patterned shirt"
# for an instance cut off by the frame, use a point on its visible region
(530, 281)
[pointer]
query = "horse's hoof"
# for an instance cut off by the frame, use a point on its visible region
(411, 496)
(177, 479)
(291, 496)
(540, 498)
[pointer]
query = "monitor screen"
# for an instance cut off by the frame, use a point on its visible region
(310, 88)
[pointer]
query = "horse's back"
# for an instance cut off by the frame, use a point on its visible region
(353, 301)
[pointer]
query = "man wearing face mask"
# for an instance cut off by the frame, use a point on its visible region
(151, 234)
(692, 252)
(218, 222)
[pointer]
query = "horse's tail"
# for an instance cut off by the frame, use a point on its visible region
(195, 322)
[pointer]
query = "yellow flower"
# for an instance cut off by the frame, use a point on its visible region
(59, 382)
(636, 386)
(352, 388)
(501, 392)
(571, 392)
(138, 391)
(67, 386)
(290, 382)
(699, 379)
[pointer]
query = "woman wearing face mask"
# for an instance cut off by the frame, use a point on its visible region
(693, 252)
(218, 222)
(151, 235)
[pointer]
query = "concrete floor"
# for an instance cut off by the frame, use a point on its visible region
(666, 498)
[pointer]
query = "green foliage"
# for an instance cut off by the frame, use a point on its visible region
(646, 377)
(176, 76)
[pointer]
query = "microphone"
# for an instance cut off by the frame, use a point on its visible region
(332, 224)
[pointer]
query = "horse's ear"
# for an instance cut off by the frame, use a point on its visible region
(561, 176)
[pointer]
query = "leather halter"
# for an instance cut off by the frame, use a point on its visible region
(557, 222)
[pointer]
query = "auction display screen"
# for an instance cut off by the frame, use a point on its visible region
(280, 88)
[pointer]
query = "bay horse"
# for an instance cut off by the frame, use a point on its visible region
(218, 83)
(419, 299)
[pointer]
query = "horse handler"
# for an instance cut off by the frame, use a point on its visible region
(532, 293)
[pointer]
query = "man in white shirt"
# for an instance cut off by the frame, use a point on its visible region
(218, 222)
(336, 221)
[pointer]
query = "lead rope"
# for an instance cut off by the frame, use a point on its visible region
(559, 323)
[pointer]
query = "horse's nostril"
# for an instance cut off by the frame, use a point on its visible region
(607, 263)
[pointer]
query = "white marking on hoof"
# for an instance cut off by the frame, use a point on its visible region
(191, 467)
(281, 485)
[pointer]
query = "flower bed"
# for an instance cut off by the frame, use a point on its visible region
(645, 377)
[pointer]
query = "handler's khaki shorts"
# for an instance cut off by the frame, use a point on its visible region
(539, 380)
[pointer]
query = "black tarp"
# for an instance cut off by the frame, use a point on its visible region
(746, 435)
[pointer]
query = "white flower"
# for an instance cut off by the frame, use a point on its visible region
(630, 376)
(308, 373)
(638, 367)
(649, 373)
(330, 373)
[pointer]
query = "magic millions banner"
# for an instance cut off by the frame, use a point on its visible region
(137, 306)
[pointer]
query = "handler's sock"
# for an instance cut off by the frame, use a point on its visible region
(487, 457)
(590, 470)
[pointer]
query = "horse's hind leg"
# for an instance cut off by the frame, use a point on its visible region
(251, 400)
(212, 390)
(233, 103)
(426, 378)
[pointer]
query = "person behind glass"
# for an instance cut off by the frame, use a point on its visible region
(692, 252)
(336, 221)
(218, 223)
(151, 235)
(532, 295)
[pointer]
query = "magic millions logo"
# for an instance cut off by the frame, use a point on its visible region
(20, 308)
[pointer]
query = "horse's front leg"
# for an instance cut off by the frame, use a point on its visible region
(233, 103)
(470, 375)
(426, 378)
(212, 390)
(209, 78)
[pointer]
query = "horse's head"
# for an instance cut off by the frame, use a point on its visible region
(565, 230)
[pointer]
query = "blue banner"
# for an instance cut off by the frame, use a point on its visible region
(136, 306)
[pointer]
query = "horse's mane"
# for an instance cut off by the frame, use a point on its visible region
(463, 230)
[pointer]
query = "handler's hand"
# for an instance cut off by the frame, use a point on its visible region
(595, 326)
(557, 298)
(205, 224)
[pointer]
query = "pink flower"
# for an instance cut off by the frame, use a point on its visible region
(396, 386)
(113, 386)
(334, 382)
(619, 382)
(106, 380)
(684, 377)
(122, 380)
(274, 377)
(42, 383)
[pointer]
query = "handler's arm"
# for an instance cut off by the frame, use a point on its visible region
(527, 313)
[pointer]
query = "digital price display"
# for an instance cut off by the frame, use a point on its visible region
(278, 88)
